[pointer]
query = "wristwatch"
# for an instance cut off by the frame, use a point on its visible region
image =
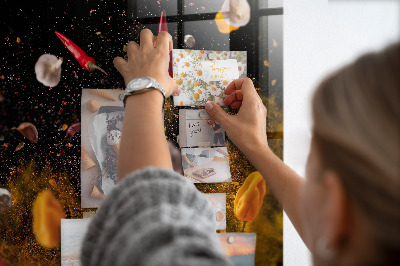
(142, 84)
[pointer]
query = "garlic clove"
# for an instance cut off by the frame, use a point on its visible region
(236, 12)
(48, 70)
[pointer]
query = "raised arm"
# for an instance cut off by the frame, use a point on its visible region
(143, 141)
(247, 129)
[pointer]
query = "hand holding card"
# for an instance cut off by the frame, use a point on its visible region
(252, 115)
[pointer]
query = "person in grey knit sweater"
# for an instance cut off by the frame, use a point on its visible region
(346, 210)
(154, 216)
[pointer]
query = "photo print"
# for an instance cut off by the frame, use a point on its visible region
(102, 114)
(206, 165)
(239, 247)
(72, 233)
(218, 201)
(198, 129)
(203, 75)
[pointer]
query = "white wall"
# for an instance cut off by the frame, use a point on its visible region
(320, 36)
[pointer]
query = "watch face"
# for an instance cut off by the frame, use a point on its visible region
(140, 83)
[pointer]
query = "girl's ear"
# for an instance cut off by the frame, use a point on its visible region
(336, 212)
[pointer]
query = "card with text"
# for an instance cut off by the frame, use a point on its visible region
(203, 75)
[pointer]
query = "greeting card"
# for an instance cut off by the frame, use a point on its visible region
(203, 75)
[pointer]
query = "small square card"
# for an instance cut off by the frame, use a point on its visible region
(198, 129)
(72, 233)
(204, 75)
(218, 201)
(239, 247)
(206, 165)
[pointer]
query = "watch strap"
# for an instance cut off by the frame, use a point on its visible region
(154, 85)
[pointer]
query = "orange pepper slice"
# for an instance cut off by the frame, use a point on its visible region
(47, 215)
(222, 25)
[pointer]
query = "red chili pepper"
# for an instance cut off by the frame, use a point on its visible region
(84, 60)
(163, 26)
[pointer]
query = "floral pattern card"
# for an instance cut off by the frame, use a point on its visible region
(203, 74)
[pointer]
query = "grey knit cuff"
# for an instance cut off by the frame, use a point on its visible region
(153, 217)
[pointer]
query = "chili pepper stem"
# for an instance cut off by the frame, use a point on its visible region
(92, 66)
(244, 224)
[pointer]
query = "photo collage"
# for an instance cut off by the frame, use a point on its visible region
(202, 156)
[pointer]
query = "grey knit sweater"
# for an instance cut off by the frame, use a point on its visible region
(153, 217)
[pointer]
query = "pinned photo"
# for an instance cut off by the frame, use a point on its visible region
(198, 129)
(206, 165)
(102, 114)
(72, 233)
(239, 247)
(218, 201)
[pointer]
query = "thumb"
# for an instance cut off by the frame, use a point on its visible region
(218, 113)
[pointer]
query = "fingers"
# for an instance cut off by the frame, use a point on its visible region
(119, 64)
(146, 39)
(132, 47)
(218, 113)
(164, 41)
(245, 85)
(234, 98)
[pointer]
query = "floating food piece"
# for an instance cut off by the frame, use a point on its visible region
(249, 197)
(236, 12)
(47, 215)
(48, 70)
(274, 43)
(64, 127)
(20, 146)
(87, 161)
(103, 93)
(52, 182)
(222, 25)
(5, 200)
(96, 193)
(71, 131)
(113, 139)
(85, 61)
(189, 40)
(273, 82)
(93, 106)
(29, 131)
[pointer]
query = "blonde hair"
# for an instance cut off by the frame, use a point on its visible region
(356, 114)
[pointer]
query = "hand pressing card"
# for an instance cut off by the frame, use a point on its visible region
(204, 75)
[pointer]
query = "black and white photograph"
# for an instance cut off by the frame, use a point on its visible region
(198, 129)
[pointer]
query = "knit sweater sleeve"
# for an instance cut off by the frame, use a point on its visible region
(153, 217)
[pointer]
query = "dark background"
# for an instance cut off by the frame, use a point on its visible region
(101, 29)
